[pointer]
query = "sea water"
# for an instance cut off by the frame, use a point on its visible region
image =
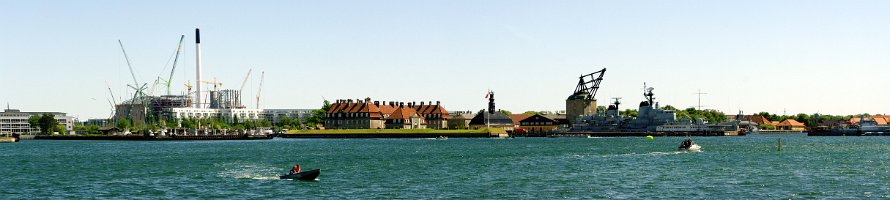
(745, 167)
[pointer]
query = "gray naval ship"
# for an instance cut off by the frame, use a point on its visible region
(651, 120)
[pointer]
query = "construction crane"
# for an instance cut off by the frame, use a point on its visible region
(139, 94)
(214, 83)
(175, 60)
(589, 87)
(111, 101)
(260, 90)
(245, 80)
(188, 86)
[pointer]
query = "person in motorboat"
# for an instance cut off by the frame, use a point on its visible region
(686, 144)
(296, 169)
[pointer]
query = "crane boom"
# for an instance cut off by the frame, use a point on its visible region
(260, 90)
(111, 93)
(135, 82)
(175, 60)
(245, 80)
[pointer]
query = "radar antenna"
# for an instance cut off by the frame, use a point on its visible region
(647, 92)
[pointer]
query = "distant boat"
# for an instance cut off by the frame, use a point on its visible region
(689, 145)
(6, 139)
(442, 137)
(304, 176)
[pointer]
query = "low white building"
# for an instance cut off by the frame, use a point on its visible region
(229, 115)
(275, 115)
(16, 121)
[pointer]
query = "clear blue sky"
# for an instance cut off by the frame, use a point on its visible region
(801, 56)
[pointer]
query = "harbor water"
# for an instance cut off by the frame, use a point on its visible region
(747, 167)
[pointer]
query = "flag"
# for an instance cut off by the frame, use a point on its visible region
(487, 94)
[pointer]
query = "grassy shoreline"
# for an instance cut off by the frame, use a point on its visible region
(394, 131)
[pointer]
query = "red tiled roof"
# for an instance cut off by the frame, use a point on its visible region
(403, 113)
(760, 119)
(519, 117)
(387, 109)
(378, 111)
(790, 122)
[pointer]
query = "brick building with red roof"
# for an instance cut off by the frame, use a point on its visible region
(365, 114)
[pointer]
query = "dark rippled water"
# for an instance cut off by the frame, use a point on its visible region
(746, 167)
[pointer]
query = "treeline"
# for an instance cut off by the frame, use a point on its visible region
(812, 119)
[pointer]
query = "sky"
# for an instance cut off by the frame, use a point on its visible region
(829, 57)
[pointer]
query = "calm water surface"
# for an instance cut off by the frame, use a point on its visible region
(746, 167)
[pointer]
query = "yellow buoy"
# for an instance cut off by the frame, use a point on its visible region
(650, 137)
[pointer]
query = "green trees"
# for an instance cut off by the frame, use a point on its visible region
(88, 129)
(531, 112)
(288, 123)
(690, 114)
(601, 109)
(628, 113)
(318, 115)
(506, 112)
(46, 122)
(123, 124)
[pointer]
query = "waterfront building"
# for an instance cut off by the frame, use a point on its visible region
(275, 115)
(760, 119)
(791, 125)
(16, 121)
(880, 120)
(436, 116)
(405, 118)
(227, 115)
(367, 114)
(460, 119)
(358, 114)
(518, 117)
(560, 119)
(239, 114)
(491, 118)
(535, 124)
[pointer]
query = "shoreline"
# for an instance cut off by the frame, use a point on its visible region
(151, 138)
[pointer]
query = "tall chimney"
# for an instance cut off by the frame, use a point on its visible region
(198, 68)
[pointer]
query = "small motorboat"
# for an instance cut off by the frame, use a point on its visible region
(688, 145)
(442, 137)
(305, 176)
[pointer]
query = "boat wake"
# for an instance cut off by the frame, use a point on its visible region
(694, 148)
(247, 171)
(665, 153)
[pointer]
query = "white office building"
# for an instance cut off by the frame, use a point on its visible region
(16, 121)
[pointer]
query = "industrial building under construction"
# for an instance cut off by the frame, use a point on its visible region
(225, 104)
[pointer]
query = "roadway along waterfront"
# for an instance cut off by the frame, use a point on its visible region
(746, 167)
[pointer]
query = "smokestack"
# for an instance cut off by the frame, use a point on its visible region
(198, 68)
